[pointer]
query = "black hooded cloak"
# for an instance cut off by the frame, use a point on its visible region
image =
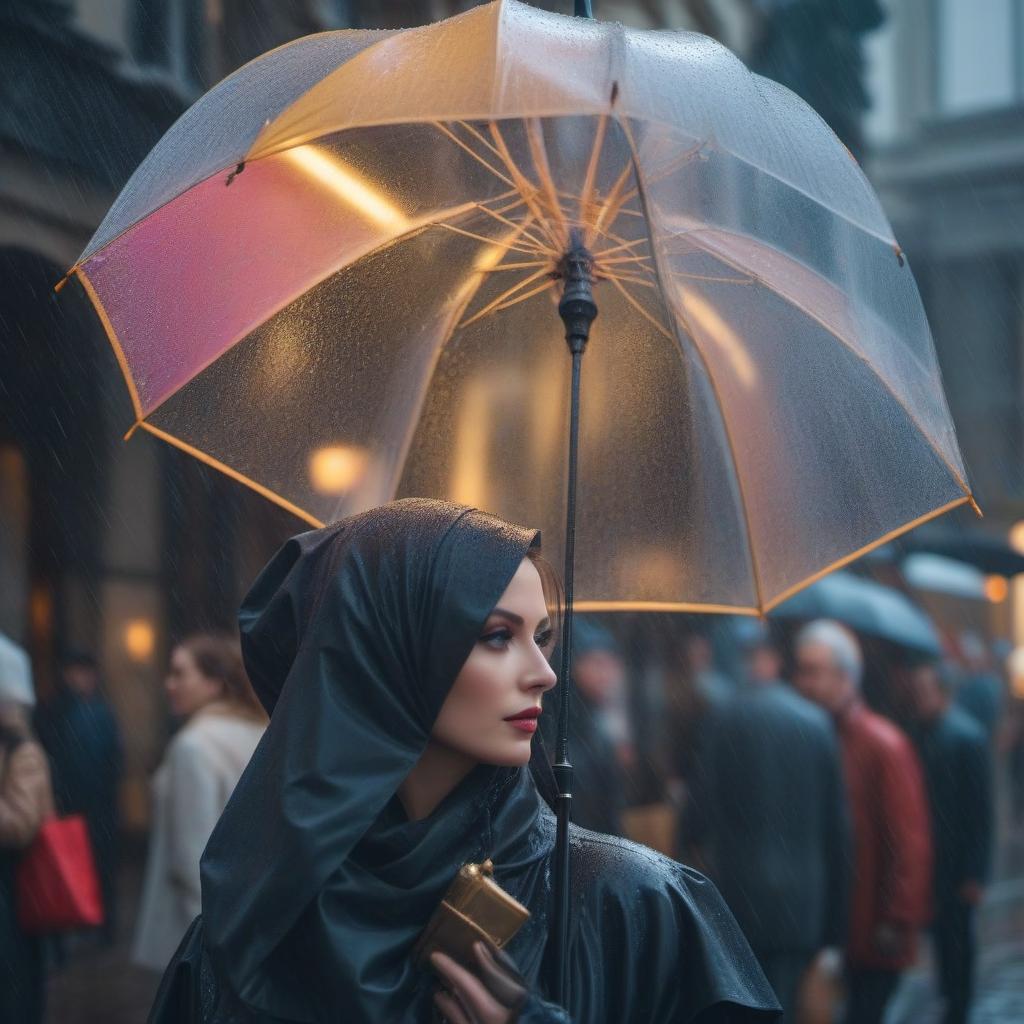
(315, 883)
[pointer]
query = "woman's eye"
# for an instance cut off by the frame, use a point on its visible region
(498, 639)
(544, 639)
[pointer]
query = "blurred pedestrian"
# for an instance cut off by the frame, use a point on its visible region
(601, 739)
(767, 820)
(981, 692)
(890, 896)
(703, 686)
(26, 801)
(958, 774)
(208, 688)
(79, 730)
(711, 684)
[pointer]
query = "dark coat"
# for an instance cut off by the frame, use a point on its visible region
(982, 697)
(768, 813)
(957, 766)
(651, 943)
(599, 789)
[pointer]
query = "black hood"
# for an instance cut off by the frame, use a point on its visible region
(352, 636)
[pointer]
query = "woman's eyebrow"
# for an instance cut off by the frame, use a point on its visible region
(504, 613)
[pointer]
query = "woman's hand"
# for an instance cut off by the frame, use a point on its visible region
(494, 994)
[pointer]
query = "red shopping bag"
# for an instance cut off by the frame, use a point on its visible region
(57, 885)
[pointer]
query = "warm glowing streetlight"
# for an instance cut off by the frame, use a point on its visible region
(139, 639)
(996, 588)
(1017, 536)
(336, 468)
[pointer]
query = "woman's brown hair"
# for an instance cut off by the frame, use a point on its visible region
(551, 583)
(218, 656)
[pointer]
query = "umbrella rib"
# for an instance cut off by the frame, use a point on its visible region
(419, 399)
(611, 276)
(221, 467)
(614, 197)
(861, 551)
(526, 234)
(482, 139)
(621, 259)
(755, 571)
(440, 126)
(524, 265)
(547, 286)
(495, 304)
(587, 192)
(526, 188)
(617, 248)
(535, 138)
(115, 344)
(850, 347)
(483, 238)
(638, 306)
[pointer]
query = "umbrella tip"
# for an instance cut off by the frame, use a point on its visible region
(974, 505)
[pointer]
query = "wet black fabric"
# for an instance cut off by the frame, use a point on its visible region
(316, 884)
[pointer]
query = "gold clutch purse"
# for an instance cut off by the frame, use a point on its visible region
(474, 908)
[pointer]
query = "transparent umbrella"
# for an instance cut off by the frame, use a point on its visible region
(337, 279)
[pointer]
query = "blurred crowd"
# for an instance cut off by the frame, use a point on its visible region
(840, 794)
(843, 817)
(66, 757)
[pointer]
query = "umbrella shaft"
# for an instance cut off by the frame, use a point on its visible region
(578, 311)
(562, 766)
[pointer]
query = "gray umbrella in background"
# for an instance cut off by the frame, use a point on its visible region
(867, 607)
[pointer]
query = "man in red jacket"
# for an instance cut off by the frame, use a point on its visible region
(890, 900)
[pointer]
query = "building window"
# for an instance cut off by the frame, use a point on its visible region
(169, 36)
(979, 59)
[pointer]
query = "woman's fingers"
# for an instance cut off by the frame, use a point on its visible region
(450, 1008)
(478, 1002)
(501, 977)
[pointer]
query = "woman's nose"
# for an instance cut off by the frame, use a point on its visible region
(543, 676)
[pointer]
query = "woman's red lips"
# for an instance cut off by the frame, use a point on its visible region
(526, 713)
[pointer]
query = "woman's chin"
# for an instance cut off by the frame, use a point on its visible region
(510, 757)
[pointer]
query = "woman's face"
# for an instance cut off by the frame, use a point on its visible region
(505, 676)
(187, 688)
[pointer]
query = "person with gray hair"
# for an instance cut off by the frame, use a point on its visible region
(890, 897)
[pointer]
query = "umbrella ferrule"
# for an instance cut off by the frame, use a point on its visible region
(577, 307)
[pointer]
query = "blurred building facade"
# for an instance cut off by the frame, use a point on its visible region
(111, 548)
(947, 133)
(946, 138)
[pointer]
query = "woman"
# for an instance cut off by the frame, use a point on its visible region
(26, 801)
(207, 687)
(401, 652)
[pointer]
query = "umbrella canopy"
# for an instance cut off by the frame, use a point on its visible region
(868, 607)
(942, 575)
(985, 552)
(335, 278)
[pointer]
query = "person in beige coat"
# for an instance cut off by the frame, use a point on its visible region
(207, 687)
(26, 801)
